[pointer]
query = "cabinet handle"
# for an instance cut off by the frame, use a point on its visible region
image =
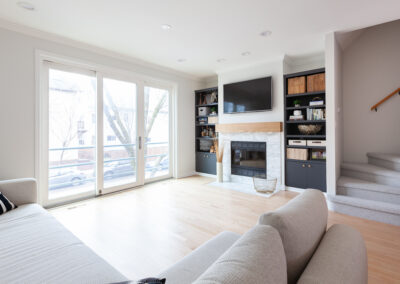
(303, 165)
(309, 166)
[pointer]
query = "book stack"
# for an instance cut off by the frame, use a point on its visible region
(296, 117)
(315, 114)
(317, 103)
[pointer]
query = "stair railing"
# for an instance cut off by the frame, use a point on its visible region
(375, 107)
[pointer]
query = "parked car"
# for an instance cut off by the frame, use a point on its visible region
(118, 169)
(64, 178)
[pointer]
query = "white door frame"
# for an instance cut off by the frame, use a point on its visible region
(100, 71)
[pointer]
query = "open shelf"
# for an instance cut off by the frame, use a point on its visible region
(207, 105)
(306, 121)
(207, 138)
(306, 94)
(205, 124)
(308, 161)
(305, 107)
(306, 147)
(306, 136)
(202, 116)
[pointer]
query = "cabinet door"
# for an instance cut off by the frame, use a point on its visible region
(296, 174)
(316, 176)
(206, 163)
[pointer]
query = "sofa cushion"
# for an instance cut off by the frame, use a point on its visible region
(341, 257)
(188, 269)
(257, 257)
(5, 204)
(301, 224)
(36, 248)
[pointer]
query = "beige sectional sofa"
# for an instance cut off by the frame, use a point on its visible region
(289, 245)
(36, 248)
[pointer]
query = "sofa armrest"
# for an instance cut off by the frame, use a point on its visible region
(341, 257)
(20, 191)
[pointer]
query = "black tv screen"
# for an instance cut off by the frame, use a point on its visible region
(248, 96)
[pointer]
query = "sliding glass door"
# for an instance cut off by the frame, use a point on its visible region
(120, 134)
(71, 133)
(100, 133)
(157, 133)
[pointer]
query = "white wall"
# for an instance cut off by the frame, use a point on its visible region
(17, 107)
(371, 70)
(334, 122)
(274, 69)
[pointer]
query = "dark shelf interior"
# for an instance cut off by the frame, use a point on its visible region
(306, 121)
(304, 107)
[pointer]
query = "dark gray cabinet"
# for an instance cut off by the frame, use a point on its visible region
(206, 163)
(306, 174)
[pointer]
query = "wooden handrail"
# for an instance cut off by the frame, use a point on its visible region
(375, 107)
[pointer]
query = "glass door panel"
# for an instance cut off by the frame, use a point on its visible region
(157, 133)
(72, 134)
(119, 133)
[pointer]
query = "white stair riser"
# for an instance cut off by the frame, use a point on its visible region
(384, 163)
(392, 181)
(384, 217)
(369, 194)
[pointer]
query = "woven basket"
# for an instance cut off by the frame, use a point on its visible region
(267, 185)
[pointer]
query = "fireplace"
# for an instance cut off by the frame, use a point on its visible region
(249, 159)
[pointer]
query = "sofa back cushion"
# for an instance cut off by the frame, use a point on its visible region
(257, 257)
(301, 224)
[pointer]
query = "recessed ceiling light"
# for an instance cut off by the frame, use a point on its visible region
(181, 60)
(266, 33)
(246, 53)
(26, 5)
(166, 27)
(221, 60)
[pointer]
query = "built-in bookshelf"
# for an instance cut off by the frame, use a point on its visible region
(206, 117)
(305, 152)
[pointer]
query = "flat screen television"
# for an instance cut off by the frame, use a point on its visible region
(248, 96)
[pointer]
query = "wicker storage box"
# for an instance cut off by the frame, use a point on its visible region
(316, 83)
(297, 142)
(297, 154)
(297, 85)
(316, 142)
(213, 119)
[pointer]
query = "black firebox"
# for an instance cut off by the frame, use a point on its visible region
(249, 159)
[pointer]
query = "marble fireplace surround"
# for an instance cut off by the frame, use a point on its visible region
(273, 139)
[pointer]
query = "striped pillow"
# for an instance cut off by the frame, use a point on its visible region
(5, 204)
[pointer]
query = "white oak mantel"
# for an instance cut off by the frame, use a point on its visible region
(249, 127)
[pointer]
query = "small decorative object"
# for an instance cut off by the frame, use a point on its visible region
(220, 156)
(297, 102)
(267, 185)
(317, 154)
(210, 132)
(297, 112)
(213, 97)
(202, 120)
(204, 132)
(213, 110)
(203, 111)
(309, 128)
(296, 117)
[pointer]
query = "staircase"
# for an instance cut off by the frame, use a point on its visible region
(371, 190)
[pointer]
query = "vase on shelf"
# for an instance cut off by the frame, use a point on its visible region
(220, 172)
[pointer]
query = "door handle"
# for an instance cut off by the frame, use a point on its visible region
(309, 166)
(303, 165)
(140, 142)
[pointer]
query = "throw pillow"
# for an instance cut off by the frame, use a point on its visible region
(151, 281)
(5, 204)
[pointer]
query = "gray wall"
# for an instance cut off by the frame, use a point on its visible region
(17, 107)
(370, 72)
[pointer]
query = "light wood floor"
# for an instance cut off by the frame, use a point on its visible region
(143, 231)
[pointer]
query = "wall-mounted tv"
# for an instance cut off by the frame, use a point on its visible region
(248, 96)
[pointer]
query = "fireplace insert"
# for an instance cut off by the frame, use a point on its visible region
(249, 159)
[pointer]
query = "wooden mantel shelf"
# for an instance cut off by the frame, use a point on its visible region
(249, 127)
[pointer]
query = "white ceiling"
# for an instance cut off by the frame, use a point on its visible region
(202, 30)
